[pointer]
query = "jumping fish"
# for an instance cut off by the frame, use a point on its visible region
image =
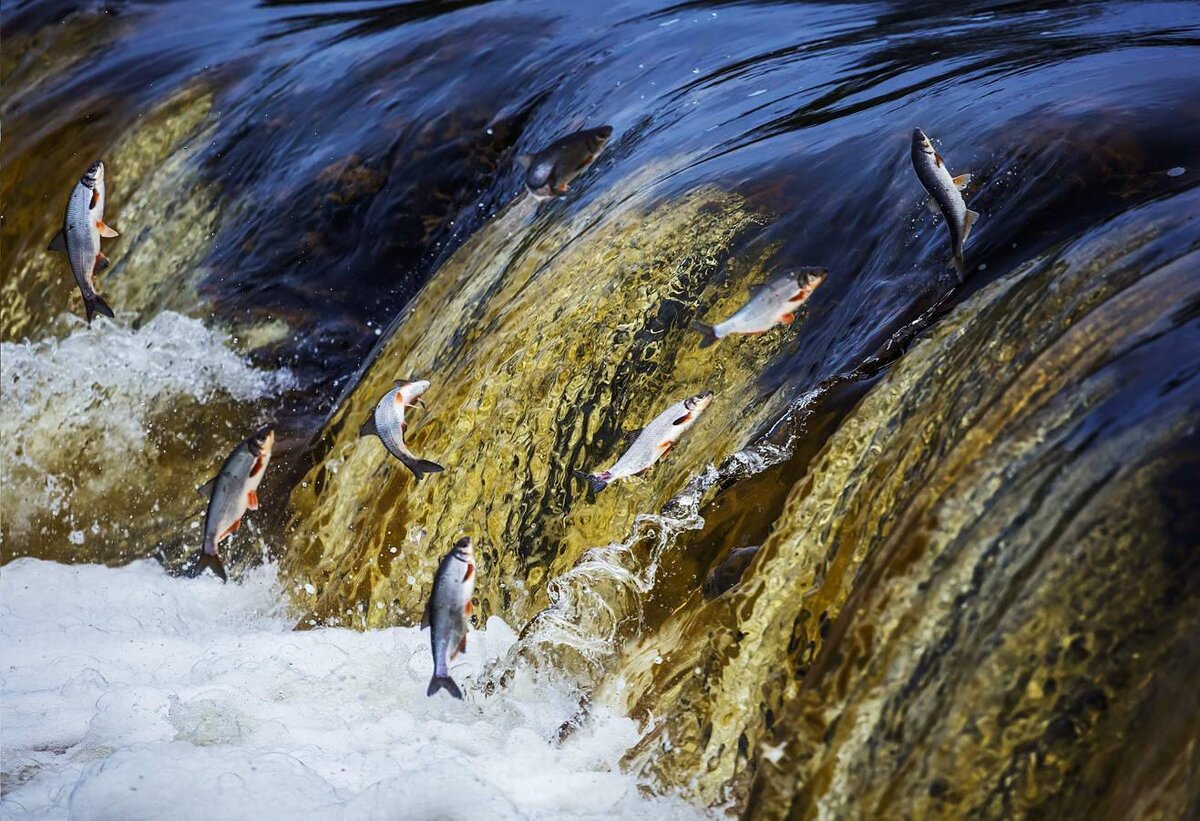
(549, 172)
(728, 574)
(387, 422)
(79, 239)
(945, 195)
(775, 303)
(447, 611)
(653, 442)
(231, 493)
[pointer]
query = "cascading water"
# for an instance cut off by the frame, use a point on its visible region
(978, 590)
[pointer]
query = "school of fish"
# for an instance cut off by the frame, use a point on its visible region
(548, 175)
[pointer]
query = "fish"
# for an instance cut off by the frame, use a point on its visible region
(79, 239)
(387, 422)
(728, 574)
(653, 442)
(775, 303)
(549, 172)
(945, 195)
(232, 492)
(447, 611)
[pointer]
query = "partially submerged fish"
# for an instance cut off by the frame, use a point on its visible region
(775, 303)
(231, 493)
(653, 442)
(728, 574)
(446, 613)
(79, 239)
(387, 422)
(549, 172)
(945, 195)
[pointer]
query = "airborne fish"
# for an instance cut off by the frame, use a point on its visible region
(772, 304)
(231, 494)
(653, 442)
(446, 613)
(387, 422)
(945, 195)
(728, 574)
(549, 172)
(83, 225)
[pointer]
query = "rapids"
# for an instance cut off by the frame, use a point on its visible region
(979, 586)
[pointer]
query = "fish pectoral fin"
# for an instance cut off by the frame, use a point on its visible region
(105, 231)
(260, 465)
(961, 181)
(971, 218)
(101, 262)
(252, 500)
(561, 188)
(461, 648)
(59, 243)
(683, 420)
(467, 576)
(95, 198)
(207, 488)
(937, 159)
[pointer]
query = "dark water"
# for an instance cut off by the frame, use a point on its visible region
(316, 164)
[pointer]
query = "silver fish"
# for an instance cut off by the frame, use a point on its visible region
(945, 195)
(447, 611)
(549, 172)
(653, 442)
(728, 574)
(775, 303)
(387, 422)
(231, 493)
(83, 225)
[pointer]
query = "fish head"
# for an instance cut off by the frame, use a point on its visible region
(411, 389)
(699, 402)
(598, 137)
(94, 176)
(921, 143)
(464, 549)
(810, 278)
(262, 441)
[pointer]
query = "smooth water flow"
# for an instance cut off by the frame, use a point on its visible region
(977, 591)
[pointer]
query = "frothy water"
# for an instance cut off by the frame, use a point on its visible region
(129, 694)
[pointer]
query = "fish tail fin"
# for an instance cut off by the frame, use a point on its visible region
(206, 561)
(596, 481)
(95, 304)
(443, 683)
(420, 467)
(707, 331)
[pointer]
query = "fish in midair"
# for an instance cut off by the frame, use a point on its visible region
(775, 303)
(447, 611)
(387, 422)
(945, 195)
(653, 442)
(728, 574)
(79, 239)
(549, 172)
(230, 494)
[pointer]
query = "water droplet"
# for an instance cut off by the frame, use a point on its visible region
(1177, 171)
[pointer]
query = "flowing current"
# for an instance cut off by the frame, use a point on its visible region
(978, 589)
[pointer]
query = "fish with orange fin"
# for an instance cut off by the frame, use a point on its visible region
(388, 423)
(653, 442)
(447, 613)
(945, 196)
(79, 239)
(230, 495)
(549, 172)
(775, 303)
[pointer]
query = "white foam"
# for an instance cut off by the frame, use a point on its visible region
(128, 694)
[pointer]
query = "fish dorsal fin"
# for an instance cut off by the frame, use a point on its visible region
(630, 436)
(757, 289)
(961, 181)
(425, 616)
(368, 428)
(59, 243)
(207, 488)
(937, 159)
(933, 207)
(524, 160)
(971, 218)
